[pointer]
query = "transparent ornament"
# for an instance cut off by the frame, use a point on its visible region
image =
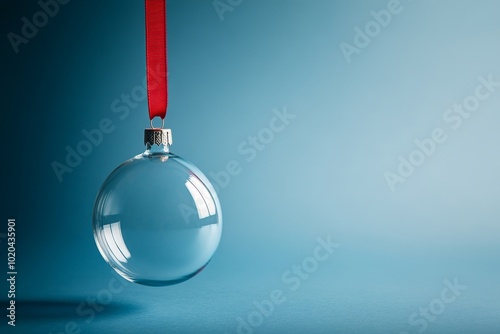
(157, 219)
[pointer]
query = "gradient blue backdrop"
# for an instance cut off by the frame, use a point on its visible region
(323, 175)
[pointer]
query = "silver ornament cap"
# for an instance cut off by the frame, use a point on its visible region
(157, 136)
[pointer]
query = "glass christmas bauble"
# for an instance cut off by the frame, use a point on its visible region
(157, 219)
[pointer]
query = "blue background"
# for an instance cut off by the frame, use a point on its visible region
(323, 175)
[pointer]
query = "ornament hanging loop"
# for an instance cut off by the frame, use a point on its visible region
(162, 123)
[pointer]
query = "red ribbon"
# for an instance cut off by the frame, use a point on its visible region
(156, 57)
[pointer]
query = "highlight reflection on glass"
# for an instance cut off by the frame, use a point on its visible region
(202, 199)
(113, 234)
(157, 219)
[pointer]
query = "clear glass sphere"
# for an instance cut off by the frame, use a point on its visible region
(157, 219)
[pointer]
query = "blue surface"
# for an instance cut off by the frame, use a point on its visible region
(321, 175)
